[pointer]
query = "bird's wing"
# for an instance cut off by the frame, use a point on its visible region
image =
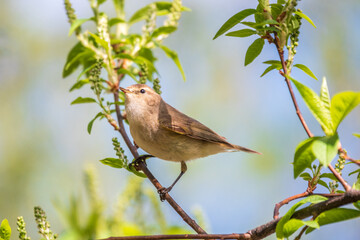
(175, 121)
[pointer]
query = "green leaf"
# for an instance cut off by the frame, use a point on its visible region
(100, 41)
(356, 135)
(133, 170)
(325, 99)
(357, 204)
(273, 62)
(89, 127)
(79, 84)
(315, 105)
(85, 71)
(231, 22)
(328, 175)
(305, 17)
(294, 224)
(127, 72)
(303, 156)
(324, 184)
(173, 55)
(112, 162)
(242, 33)
(5, 230)
(254, 50)
(341, 105)
(114, 21)
(306, 176)
(77, 55)
(353, 172)
(325, 148)
(162, 8)
(124, 56)
(83, 100)
(287, 216)
(268, 69)
(306, 70)
(163, 30)
(335, 215)
(77, 23)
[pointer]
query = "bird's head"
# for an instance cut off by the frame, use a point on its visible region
(140, 96)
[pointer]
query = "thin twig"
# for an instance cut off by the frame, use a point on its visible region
(301, 233)
(142, 166)
(283, 64)
(301, 195)
(352, 160)
(341, 180)
(266, 229)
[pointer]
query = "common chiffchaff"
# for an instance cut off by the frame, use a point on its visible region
(168, 134)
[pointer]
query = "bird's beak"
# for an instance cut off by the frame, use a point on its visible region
(124, 90)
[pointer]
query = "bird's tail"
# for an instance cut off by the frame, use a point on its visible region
(239, 148)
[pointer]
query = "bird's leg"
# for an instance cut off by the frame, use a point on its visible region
(140, 159)
(164, 191)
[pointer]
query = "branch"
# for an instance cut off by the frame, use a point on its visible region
(283, 64)
(150, 176)
(264, 230)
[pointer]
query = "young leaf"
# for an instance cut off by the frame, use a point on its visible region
(357, 204)
(162, 8)
(231, 22)
(241, 33)
(335, 215)
(112, 162)
(5, 230)
(328, 175)
(89, 127)
(306, 176)
(325, 98)
(294, 224)
(324, 184)
(356, 135)
(341, 105)
(173, 55)
(273, 62)
(114, 21)
(254, 50)
(77, 23)
(127, 72)
(79, 84)
(83, 100)
(133, 170)
(325, 148)
(269, 68)
(305, 17)
(306, 70)
(303, 156)
(100, 41)
(287, 216)
(163, 30)
(75, 57)
(315, 105)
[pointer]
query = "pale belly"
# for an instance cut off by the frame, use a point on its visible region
(168, 145)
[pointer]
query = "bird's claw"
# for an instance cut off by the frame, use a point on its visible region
(140, 159)
(162, 192)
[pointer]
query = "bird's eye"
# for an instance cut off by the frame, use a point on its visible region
(142, 90)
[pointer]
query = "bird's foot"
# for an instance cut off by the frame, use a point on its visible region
(140, 159)
(163, 191)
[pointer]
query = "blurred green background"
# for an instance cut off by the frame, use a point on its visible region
(44, 145)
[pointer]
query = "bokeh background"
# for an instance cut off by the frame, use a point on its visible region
(44, 145)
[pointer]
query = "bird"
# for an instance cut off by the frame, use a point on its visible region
(166, 133)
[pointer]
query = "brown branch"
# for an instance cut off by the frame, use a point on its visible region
(286, 201)
(301, 195)
(352, 160)
(266, 229)
(150, 176)
(283, 64)
(341, 180)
